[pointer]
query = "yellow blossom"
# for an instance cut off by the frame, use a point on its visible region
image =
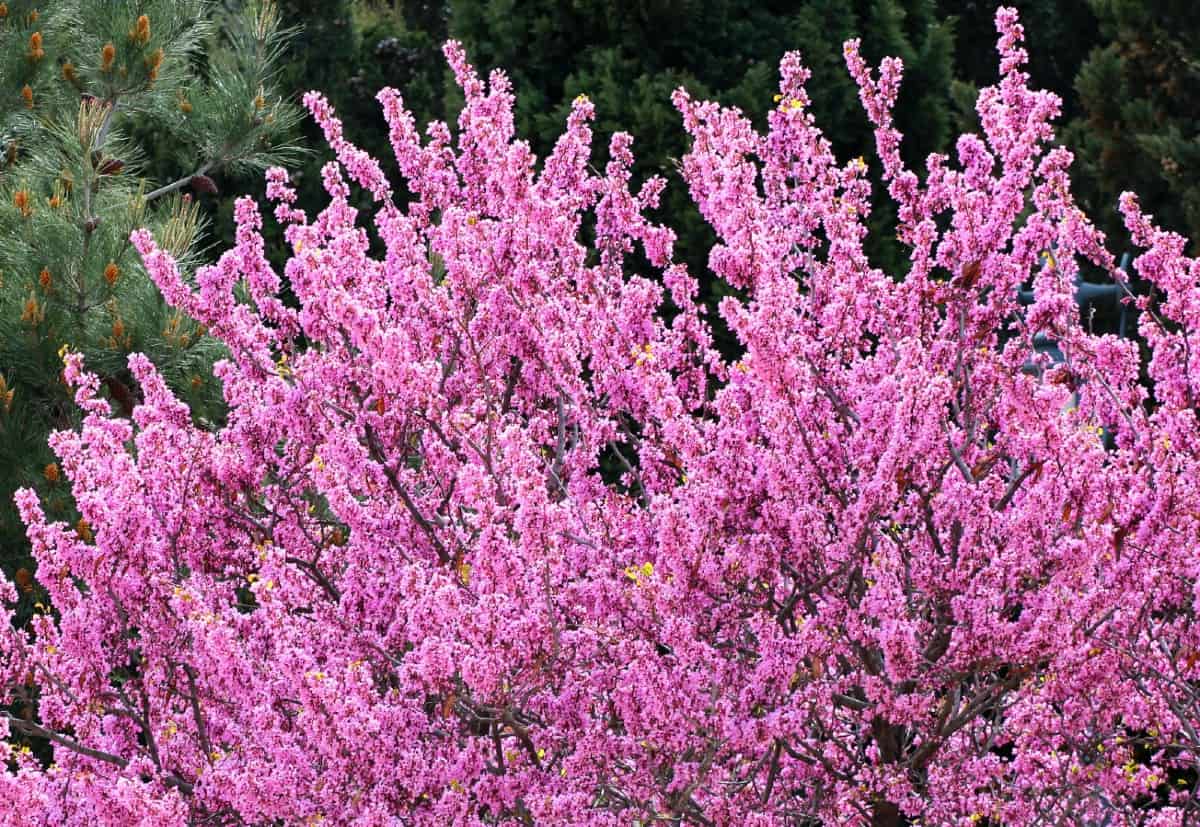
(639, 573)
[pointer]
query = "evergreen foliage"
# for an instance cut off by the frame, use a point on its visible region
(1140, 92)
(114, 116)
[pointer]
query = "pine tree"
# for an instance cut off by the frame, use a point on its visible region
(97, 96)
(1140, 92)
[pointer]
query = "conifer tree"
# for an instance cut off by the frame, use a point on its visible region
(1140, 91)
(95, 96)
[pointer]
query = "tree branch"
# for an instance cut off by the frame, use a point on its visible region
(167, 189)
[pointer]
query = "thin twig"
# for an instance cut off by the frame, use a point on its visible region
(166, 189)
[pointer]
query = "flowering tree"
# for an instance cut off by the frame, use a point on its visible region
(492, 537)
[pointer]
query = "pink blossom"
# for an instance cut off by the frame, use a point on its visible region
(490, 538)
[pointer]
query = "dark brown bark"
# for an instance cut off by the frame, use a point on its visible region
(885, 814)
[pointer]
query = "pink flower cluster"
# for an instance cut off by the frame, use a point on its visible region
(491, 538)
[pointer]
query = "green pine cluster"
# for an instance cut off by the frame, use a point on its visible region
(114, 115)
